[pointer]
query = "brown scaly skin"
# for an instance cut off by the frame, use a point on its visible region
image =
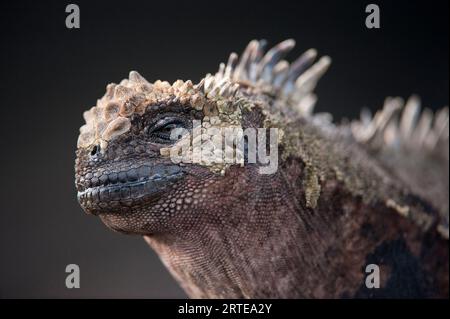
(249, 235)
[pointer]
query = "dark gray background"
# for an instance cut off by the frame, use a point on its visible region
(50, 74)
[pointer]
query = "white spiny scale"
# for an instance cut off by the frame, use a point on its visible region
(297, 68)
(308, 80)
(390, 132)
(234, 89)
(391, 107)
(259, 52)
(252, 72)
(240, 72)
(221, 70)
(271, 58)
(441, 124)
(231, 64)
(215, 91)
(200, 85)
(409, 117)
(279, 74)
(209, 82)
(423, 128)
(223, 89)
(255, 57)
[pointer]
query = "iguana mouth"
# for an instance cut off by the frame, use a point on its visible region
(114, 190)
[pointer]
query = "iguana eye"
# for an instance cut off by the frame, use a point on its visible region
(161, 131)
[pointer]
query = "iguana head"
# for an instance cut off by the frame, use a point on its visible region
(137, 166)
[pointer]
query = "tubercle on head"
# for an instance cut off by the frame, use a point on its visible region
(111, 117)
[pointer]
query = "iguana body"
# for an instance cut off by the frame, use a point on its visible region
(343, 196)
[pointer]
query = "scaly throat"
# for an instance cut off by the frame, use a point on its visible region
(237, 261)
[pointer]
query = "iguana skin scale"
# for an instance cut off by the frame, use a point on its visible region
(309, 230)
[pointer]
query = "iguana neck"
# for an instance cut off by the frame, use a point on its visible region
(227, 255)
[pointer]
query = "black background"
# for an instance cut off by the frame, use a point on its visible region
(50, 75)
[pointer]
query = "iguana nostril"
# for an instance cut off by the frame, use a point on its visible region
(95, 150)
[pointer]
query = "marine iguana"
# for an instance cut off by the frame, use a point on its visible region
(370, 191)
